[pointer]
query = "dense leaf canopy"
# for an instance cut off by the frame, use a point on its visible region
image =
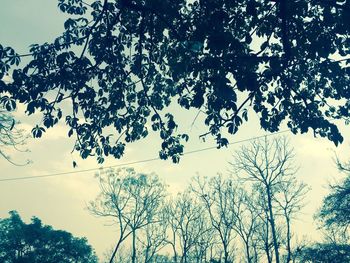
(325, 253)
(35, 242)
(121, 63)
(335, 211)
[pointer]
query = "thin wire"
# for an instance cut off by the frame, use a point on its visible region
(131, 163)
(236, 142)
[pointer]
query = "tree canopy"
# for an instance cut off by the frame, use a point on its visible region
(335, 211)
(325, 253)
(119, 64)
(334, 216)
(35, 242)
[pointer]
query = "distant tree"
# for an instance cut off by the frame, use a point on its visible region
(123, 255)
(121, 63)
(334, 217)
(132, 200)
(269, 164)
(335, 210)
(38, 243)
(206, 242)
(218, 197)
(247, 221)
(10, 136)
(289, 198)
(153, 236)
(259, 203)
(187, 224)
(325, 253)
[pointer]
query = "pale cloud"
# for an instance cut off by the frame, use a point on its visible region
(310, 147)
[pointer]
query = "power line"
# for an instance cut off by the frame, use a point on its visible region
(78, 171)
(131, 163)
(236, 142)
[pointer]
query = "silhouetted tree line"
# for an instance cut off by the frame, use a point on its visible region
(246, 216)
(38, 243)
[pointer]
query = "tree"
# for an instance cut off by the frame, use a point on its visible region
(153, 237)
(325, 253)
(121, 63)
(335, 220)
(290, 201)
(335, 210)
(132, 200)
(219, 199)
(35, 242)
(264, 243)
(10, 136)
(269, 164)
(247, 223)
(187, 225)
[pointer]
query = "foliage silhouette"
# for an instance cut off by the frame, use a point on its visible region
(121, 63)
(35, 242)
(335, 212)
(334, 217)
(325, 253)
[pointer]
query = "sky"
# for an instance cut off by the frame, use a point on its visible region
(61, 201)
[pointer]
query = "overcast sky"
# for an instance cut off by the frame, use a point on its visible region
(61, 201)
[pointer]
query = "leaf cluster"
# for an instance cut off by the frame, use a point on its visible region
(35, 242)
(121, 63)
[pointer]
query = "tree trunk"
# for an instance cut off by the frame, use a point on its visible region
(289, 252)
(147, 254)
(184, 256)
(255, 253)
(115, 251)
(267, 251)
(272, 222)
(173, 244)
(249, 260)
(133, 258)
(175, 254)
(225, 254)
(266, 242)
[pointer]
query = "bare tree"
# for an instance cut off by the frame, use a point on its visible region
(218, 197)
(10, 136)
(267, 163)
(204, 243)
(246, 223)
(187, 225)
(290, 201)
(252, 224)
(153, 236)
(172, 224)
(132, 200)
